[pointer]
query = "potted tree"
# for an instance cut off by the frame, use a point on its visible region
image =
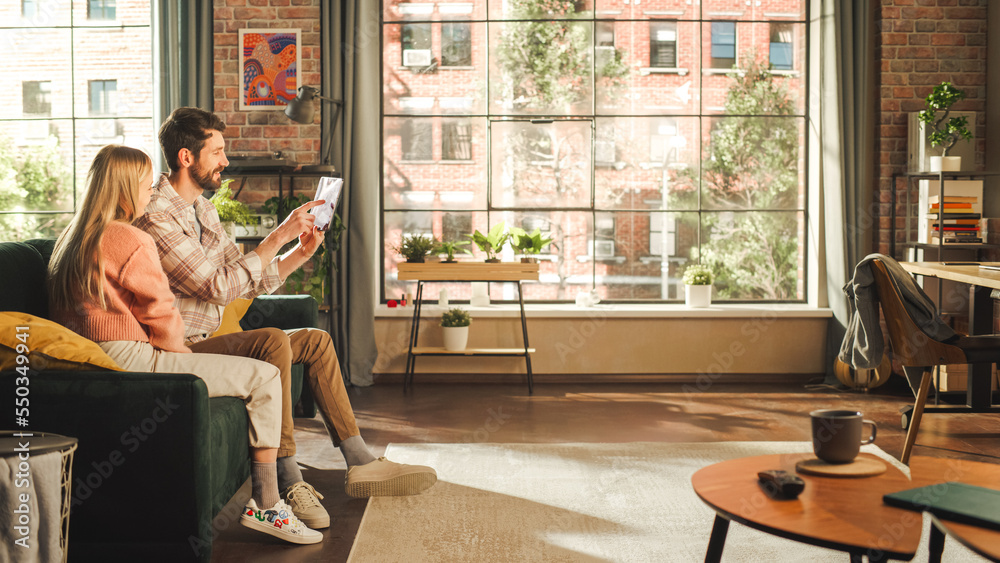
(230, 211)
(450, 248)
(455, 326)
(529, 245)
(698, 286)
(492, 242)
(944, 132)
(416, 247)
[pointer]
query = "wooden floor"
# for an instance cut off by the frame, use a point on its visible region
(445, 413)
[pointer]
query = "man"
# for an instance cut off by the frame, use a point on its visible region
(207, 271)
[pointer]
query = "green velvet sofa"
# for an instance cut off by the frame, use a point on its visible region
(157, 459)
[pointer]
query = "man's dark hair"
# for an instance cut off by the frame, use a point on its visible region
(187, 128)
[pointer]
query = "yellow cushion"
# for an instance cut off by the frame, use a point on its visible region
(231, 316)
(50, 345)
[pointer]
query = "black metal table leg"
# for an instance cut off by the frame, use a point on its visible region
(524, 333)
(935, 544)
(411, 360)
(718, 540)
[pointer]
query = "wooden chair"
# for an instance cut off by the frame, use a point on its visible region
(914, 348)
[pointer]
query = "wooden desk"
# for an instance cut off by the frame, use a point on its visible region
(465, 272)
(982, 283)
(846, 514)
(932, 470)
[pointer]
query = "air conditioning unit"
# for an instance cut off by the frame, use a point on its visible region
(417, 57)
(603, 248)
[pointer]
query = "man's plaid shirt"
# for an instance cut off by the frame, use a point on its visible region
(207, 274)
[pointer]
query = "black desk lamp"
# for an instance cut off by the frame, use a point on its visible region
(301, 110)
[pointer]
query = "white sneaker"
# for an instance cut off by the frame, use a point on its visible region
(384, 478)
(302, 497)
(280, 522)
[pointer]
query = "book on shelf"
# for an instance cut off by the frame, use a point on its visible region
(952, 199)
(950, 215)
(952, 207)
(958, 240)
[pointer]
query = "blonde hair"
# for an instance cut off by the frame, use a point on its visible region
(76, 269)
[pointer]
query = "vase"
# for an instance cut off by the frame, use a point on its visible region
(946, 163)
(455, 337)
(698, 296)
(480, 294)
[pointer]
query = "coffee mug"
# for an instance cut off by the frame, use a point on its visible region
(836, 434)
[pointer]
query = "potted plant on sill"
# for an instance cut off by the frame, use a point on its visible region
(455, 326)
(450, 248)
(944, 132)
(230, 211)
(492, 242)
(529, 245)
(416, 247)
(698, 286)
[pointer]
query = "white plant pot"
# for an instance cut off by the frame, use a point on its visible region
(455, 337)
(946, 163)
(229, 227)
(698, 296)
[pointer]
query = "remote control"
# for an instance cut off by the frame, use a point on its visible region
(781, 483)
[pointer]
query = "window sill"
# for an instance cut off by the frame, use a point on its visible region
(615, 259)
(418, 162)
(431, 310)
(442, 67)
(458, 162)
(711, 71)
(662, 70)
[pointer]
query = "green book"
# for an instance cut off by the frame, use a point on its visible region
(959, 502)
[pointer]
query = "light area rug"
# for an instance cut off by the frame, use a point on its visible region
(627, 502)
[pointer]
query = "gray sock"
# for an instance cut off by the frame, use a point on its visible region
(288, 472)
(264, 482)
(356, 451)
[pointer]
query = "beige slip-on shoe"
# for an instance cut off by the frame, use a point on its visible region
(384, 478)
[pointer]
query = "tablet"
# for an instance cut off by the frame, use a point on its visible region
(328, 190)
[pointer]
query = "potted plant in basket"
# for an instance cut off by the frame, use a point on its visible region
(698, 286)
(492, 242)
(450, 248)
(416, 247)
(944, 132)
(455, 326)
(230, 211)
(529, 245)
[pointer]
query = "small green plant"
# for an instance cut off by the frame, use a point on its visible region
(456, 317)
(528, 244)
(492, 242)
(450, 248)
(697, 274)
(229, 209)
(944, 132)
(416, 247)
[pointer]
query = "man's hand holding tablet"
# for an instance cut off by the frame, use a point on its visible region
(328, 191)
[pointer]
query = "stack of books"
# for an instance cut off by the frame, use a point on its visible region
(958, 221)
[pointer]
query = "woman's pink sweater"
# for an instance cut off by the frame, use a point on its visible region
(140, 305)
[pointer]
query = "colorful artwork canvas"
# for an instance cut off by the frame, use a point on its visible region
(270, 60)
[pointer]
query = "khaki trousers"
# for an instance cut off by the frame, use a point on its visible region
(257, 383)
(282, 348)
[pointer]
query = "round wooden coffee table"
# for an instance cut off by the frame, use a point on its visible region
(842, 513)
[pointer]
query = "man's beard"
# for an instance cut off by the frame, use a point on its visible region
(205, 179)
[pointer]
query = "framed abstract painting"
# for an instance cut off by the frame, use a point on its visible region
(270, 60)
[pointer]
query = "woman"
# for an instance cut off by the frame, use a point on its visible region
(106, 283)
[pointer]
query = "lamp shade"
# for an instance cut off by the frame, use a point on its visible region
(301, 108)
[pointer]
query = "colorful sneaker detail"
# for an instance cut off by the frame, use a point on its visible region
(304, 501)
(383, 478)
(280, 522)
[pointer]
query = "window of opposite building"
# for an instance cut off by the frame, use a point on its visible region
(416, 43)
(417, 138)
(103, 97)
(101, 9)
(456, 138)
(456, 44)
(781, 46)
(36, 98)
(663, 44)
(29, 8)
(723, 44)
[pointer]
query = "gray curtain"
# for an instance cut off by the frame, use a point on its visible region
(350, 66)
(847, 121)
(183, 33)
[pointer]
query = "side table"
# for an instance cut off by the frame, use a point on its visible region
(465, 272)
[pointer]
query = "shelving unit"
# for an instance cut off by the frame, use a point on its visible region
(515, 272)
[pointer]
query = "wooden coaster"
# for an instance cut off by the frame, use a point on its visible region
(860, 467)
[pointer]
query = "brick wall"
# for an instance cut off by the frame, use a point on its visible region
(923, 43)
(260, 132)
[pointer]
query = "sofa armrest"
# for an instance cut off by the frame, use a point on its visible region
(281, 311)
(143, 441)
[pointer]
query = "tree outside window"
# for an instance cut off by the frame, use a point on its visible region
(663, 44)
(723, 44)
